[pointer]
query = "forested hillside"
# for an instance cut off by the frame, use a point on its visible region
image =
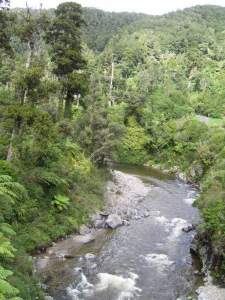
(80, 88)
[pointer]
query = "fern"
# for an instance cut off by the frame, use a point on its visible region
(6, 248)
(4, 273)
(10, 189)
(5, 178)
(7, 289)
(7, 229)
(61, 202)
(50, 178)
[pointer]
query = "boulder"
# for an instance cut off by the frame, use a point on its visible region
(104, 214)
(113, 221)
(96, 217)
(189, 228)
(99, 224)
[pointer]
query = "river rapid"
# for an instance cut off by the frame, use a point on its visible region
(149, 259)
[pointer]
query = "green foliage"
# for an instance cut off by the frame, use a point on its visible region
(10, 191)
(102, 26)
(132, 147)
(168, 78)
(64, 35)
(61, 202)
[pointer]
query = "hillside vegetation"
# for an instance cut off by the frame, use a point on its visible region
(78, 88)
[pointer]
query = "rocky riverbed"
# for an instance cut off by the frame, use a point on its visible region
(146, 256)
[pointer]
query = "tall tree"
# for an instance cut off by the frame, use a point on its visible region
(64, 35)
(4, 32)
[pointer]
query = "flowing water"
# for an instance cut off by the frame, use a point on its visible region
(148, 260)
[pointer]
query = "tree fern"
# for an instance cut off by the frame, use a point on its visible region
(49, 178)
(6, 248)
(4, 273)
(7, 290)
(10, 189)
(7, 229)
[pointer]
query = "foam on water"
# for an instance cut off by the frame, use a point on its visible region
(191, 197)
(161, 262)
(177, 225)
(189, 201)
(82, 288)
(162, 220)
(125, 287)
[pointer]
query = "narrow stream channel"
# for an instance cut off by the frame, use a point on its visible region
(148, 260)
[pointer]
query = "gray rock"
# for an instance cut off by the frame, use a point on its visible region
(90, 256)
(48, 298)
(96, 217)
(84, 230)
(198, 273)
(188, 228)
(99, 224)
(113, 221)
(146, 214)
(104, 214)
(126, 223)
(182, 177)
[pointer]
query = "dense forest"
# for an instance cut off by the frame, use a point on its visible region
(80, 87)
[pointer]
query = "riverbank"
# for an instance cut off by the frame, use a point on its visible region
(51, 225)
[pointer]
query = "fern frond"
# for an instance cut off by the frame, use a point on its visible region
(6, 248)
(5, 178)
(4, 273)
(50, 178)
(7, 289)
(7, 229)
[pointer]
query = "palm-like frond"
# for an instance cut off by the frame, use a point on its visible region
(10, 189)
(6, 248)
(49, 178)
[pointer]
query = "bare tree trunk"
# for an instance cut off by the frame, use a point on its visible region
(111, 100)
(10, 149)
(78, 101)
(28, 62)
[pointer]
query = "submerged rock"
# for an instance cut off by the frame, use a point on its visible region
(114, 221)
(189, 228)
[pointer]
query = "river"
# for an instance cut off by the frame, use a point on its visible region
(149, 259)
